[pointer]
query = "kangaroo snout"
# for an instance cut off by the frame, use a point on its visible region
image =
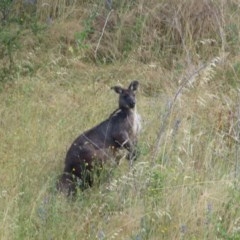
(132, 104)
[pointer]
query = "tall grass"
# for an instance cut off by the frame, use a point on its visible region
(185, 184)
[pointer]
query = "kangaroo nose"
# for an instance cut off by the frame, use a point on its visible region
(132, 104)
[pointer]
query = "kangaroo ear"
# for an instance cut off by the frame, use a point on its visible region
(117, 89)
(133, 85)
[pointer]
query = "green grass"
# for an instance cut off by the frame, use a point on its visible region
(184, 193)
(184, 185)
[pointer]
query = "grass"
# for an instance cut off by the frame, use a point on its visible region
(185, 184)
(182, 194)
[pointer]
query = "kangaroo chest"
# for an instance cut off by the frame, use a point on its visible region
(129, 121)
(135, 122)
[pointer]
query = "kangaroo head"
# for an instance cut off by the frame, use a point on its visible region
(127, 98)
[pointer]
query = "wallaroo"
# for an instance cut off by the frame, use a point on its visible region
(99, 144)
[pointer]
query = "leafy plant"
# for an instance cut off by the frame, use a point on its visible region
(230, 213)
(81, 37)
(5, 9)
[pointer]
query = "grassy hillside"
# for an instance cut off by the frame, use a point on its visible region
(58, 62)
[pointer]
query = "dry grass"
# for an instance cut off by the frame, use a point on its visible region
(183, 194)
(185, 184)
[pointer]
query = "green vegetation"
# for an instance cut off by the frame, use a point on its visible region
(58, 60)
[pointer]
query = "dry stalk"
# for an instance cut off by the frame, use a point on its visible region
(103, 30)
(170, 109)
(237, 138)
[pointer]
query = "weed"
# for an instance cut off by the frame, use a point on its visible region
(81, 37)
(5, 10)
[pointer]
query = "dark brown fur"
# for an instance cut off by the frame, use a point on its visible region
(100, 143)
